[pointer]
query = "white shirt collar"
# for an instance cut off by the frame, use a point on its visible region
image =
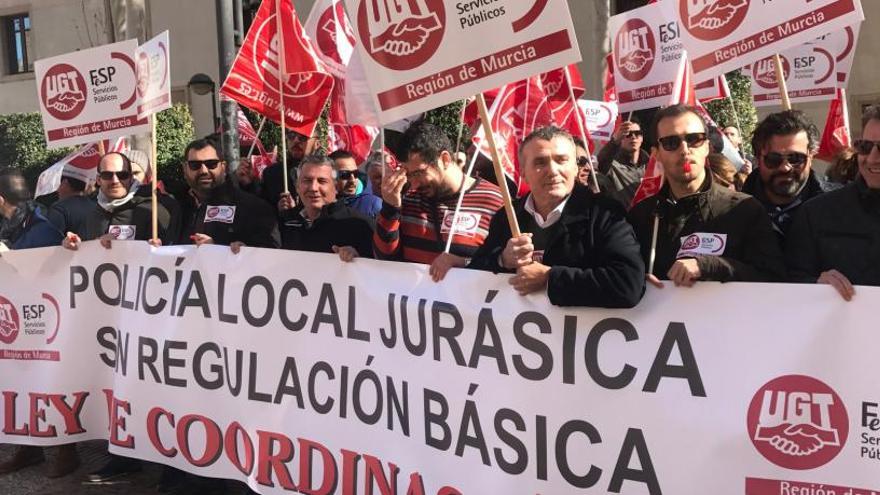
(552, 217)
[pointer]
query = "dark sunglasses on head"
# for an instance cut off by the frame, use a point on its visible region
(121, 175)
(346, 174)
(583, 161)
(633, 134)
(195, 165)
(795, 159)
(864, 146)
(693, 140)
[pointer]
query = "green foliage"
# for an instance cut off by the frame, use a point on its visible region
(174, 130)
(23, 146)
(746, 117)
(448, 118)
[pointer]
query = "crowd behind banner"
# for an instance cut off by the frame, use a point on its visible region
(775, 220)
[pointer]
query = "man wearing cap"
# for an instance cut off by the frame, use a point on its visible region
(69, 213)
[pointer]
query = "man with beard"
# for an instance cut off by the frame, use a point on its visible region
(784, 180)
(414, 225)
(623, 161)
(695, 229)
(272, 185)
(835, 238)
(215, 212)
(351, 185)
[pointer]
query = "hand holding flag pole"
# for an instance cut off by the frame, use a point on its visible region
(282, 74)
(496, 163)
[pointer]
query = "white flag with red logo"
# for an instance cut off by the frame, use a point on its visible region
(81, 164)
(253, 80)
(836, 135)
(713, 89)
(356, 139)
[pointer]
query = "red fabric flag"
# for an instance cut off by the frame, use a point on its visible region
(356, 139)
(683, 92)
(836, 135)
(610, 95)
(253, 80)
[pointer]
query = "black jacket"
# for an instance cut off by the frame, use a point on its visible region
(230, 215)
(338, 225)
(70, 214)
(839, 230)
(782, 216)
(272, 183)
(131, 221)
(594, 256)
(750, 253)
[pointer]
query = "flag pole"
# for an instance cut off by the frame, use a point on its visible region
(594, 182)
(783, 86)
(382, 150)
(154, 197)
(102, 150)
(452, 228)
(259, 130)
(460, 130)
(496, 163)
(281, 76)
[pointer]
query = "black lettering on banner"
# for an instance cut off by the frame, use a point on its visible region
(234, 386)
(354, 333)
(416, 348)
(568, 429)
(326, 406)
(541, 444)
(289, 383)
(521, 461)
(542, 372)
(200, 300)
(126, 304)
(300, 323)
(106, 337)
(79, 282)
(438, 419)
(144, 359)
(153, 309)
(169, 362)
(389, 339)
(448, 333)
(327, 299)
(591, 353)
(495, 348)
(99, 283)
(470, 419)
(569, 342)
(396, 406)
(221, 292)
(253, 393)
(634, 443)
(375, 395)
(676, 336)
(257, 321)
(215, 369)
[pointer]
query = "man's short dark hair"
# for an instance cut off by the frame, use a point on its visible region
(870, 113)
(340, 154)
(578, 142)
(785, 123)
(547, 133)
(202, 143)
(126, 163)
(74, 184)
(13, 186)
(670, 112)
(426, 139)
(316, 159)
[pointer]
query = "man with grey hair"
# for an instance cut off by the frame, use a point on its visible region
(835, 238)
(320, 223)
(576, 245)
(784, 179)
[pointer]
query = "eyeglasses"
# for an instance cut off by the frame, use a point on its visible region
(795, 159)
(633, 134)
(346, 174)
(583, 161)
(693, 140)
(864, 146)
(195, 165)
(121, 175)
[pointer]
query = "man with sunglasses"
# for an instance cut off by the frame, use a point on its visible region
(623, 161)
(215, 211)
(586, 168)
(785, 142)
(351, 185)
(835, 238)
(272, 185)
(695, 229)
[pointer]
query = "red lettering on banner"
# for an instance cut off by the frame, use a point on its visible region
(213, 440)
(328, 483)
(350, 461)
(9, 427)
(37, 403)
(153, 430)
(655, 91)
(268, 461)
(376, 473)
(70, 414)
(801, 93)
(36, 355)
(231, 446)
(760, 486)
(95, 127)
(117, 421)
(480, 68)
(39, 414)
(787, 29)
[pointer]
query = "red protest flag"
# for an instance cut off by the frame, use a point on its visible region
(253, 80)
(836, 135)
(610, 95)
(356, 139)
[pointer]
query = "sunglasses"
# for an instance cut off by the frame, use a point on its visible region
(795, 159)
(346, 174)
(583, 161)
(693, 140)
(195, 165)
(864, 146)
(633, 134)
(121, 175)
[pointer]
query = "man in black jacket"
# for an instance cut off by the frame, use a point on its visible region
(694, 229)
(623, 161)
(215, 212)
(785, 143)
(575, 244)
(835, 238)
(69, 213)
(321, 223)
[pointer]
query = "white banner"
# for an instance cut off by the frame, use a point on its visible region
(89, 95)
(422, 54)
(600, 117)
(293, 371)
(153, 62)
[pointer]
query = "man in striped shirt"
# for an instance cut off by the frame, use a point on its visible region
(419, 200)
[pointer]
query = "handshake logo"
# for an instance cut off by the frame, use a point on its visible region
(401, 35)
(798, 422)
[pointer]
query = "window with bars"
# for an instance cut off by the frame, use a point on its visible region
(17, 31)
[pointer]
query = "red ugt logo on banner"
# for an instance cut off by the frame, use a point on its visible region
(401, 35)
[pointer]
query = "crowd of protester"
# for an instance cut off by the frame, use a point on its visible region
(773, 220)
